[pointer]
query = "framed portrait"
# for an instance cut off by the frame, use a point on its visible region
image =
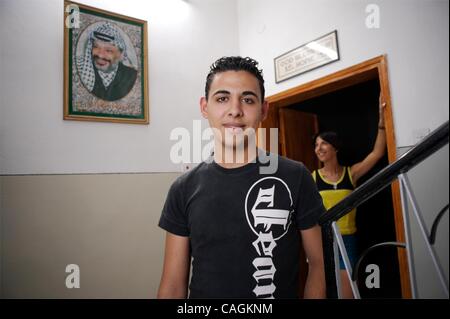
(307, 57)
(105, 66)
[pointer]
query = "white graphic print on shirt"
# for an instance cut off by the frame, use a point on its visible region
(269, 218)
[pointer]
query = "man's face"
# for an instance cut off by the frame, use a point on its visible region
(233, 106)
(105, 55)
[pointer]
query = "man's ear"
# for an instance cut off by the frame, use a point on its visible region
(265, 110)
(204, 107)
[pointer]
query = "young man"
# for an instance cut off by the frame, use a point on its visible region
(240, 227)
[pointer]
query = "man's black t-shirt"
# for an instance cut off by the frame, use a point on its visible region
(243, 227)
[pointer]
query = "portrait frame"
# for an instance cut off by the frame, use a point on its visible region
(105, 66)
(307, 57)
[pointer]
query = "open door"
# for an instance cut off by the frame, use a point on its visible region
(296, 132)
(297, 144)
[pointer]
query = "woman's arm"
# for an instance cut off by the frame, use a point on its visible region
(361, 168)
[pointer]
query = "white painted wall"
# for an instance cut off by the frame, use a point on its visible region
(185, 37)
(413, 33)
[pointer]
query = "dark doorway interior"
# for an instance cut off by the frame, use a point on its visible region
(352, 112)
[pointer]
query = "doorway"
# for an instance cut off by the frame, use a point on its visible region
(347, 102)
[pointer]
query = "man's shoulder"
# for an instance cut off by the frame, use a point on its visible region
(291, 171)
(287, 164)
(191, 175)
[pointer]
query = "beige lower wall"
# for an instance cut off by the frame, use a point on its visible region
(106, 224)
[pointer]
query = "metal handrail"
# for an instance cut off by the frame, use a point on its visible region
(436, 223)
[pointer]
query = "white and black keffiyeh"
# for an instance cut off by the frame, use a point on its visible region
(108, 77)
(105, 32)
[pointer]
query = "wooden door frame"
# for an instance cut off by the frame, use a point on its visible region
(367, 70)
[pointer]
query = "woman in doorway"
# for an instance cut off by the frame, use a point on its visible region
(335, 182)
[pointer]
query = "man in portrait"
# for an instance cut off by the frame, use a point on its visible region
(102, 69)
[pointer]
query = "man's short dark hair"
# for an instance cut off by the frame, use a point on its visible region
(235, 63)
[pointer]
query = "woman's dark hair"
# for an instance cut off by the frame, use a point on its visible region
(329, 137)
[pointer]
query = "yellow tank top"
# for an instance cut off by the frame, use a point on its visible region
(333, 193)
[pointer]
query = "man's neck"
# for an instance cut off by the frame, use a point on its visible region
(230, 157)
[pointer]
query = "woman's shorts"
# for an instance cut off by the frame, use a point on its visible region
(350, 246)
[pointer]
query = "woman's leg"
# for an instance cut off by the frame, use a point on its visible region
(350, 246)
(346, 288)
